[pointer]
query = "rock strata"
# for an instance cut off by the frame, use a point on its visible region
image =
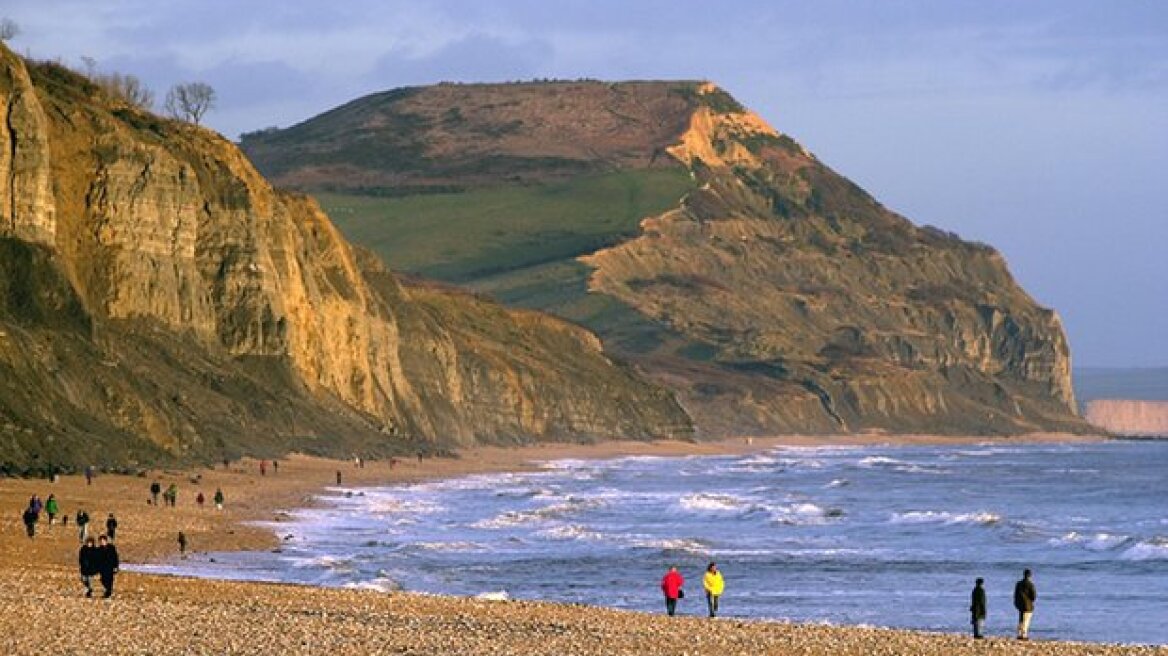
(169, 303)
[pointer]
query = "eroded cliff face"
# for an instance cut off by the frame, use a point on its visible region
(1127, 417)
(214, 314)
(803, 304)
(776, 296)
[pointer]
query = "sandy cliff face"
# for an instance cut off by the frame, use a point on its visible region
(176, 256)
(1136, 418)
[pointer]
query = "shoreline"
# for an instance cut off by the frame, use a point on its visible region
(148, 534)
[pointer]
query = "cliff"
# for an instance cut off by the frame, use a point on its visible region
(1132, 418)
(161, 301)
(770, 293)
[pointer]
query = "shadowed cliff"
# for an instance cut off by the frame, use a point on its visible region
(769, 292)
(160, 301)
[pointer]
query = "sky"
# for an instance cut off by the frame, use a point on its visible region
(1039, 127)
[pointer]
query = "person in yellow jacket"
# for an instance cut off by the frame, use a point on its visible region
(714, 585)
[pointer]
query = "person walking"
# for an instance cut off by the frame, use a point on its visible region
(155, 490)
(714, 585)
(87, 563)
(218, 498)
(263, 468)
(51, 508)
(171, 495)
(977, 608)
(200, 499)
(671, 586)
(89, 474)
(30, 520)
(107, 565)
(1025, 595)
(182, 544)
(82, 520)
(111, 526)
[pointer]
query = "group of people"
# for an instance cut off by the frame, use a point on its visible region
(170, 495)
(672, 587)
(98, 559)
(1025, 594)
(51, 508)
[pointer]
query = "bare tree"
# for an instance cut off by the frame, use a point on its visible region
(190, 101)
(126, 87)
(9, 29)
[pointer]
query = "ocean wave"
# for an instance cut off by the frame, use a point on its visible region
(672, 545)
(459, 546)
(984, 518)
(702, 501)
(1096, 542)
(892, 464)
(570, 532)
(1151, 549)
(394, 506)
(334, 563)
(804, 513)
(379, 584)
(512, 518)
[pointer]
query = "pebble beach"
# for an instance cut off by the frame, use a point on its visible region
(45, 612)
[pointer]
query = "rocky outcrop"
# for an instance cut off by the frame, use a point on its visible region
(776, 296)
(1134, 418)
(849, 314)
(208, 313)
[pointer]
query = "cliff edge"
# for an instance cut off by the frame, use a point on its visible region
(161, 301)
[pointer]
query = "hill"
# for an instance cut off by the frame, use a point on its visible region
(161, 302)
(769, 292)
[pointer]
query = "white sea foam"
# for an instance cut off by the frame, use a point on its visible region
(460, 546)
(804, 513)
(892, 464)
(570, 532)
(839, 482)
(379, 584)
(1096, 542)
(685, 545)
(1152, 549)
(944, 517)
(392, 506)
(510, 518)
(713, 502)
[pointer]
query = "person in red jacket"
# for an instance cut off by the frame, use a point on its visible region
(671, 585)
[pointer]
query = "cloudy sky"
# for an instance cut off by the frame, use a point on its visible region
(1038, 127)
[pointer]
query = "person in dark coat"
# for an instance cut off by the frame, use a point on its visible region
(30, 521)
(155, 490)
(82, 525)
(1024, 597)
(107, 564)
(977, 607)
(87, 563)
(111, 526)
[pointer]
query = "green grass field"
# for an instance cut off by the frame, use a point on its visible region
(465, 237)
(519, 244)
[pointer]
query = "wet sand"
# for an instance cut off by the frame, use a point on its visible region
(44, 611)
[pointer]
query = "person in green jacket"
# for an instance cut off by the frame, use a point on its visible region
(714, 586)
(51, 508)
(218, 498)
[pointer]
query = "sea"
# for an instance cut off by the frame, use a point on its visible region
(865, 535)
